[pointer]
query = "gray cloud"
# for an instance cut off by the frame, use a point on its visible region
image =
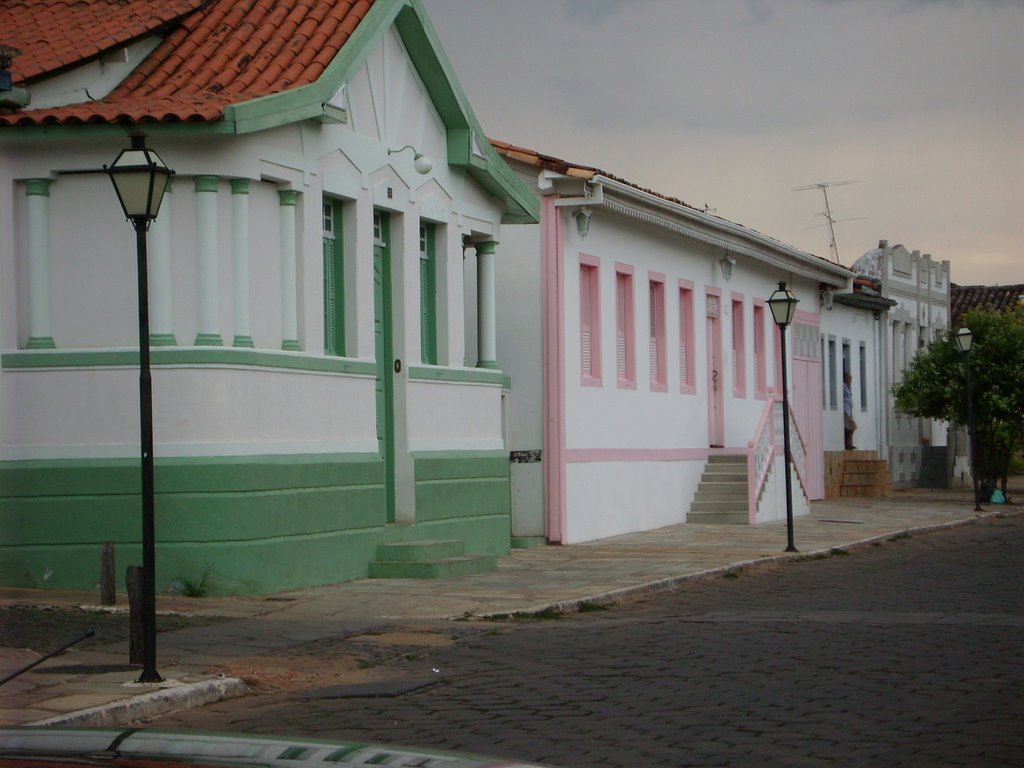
(592, 11)
(735, 101)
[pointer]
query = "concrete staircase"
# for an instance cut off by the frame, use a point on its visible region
(721, 497)
(428, 559)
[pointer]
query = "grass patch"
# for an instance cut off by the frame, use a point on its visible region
(899, 536)
(547, 615)
(593, 607)
(190, 588)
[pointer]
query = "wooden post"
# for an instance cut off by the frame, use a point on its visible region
(133, 582)
(108, 586)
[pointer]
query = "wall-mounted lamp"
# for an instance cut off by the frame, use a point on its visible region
(420, 161)
(827, 297)
(582, 216)
(727, 262)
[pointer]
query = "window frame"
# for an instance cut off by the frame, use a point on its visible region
(625, 327)
(739, 347)
(862, 354)
(428, 292)
(833, 388)
(656, 342)
(332, 250)
(687, 360)
(760, 351)
(590, 323)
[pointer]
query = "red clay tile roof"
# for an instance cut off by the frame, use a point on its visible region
(54, 34)
(223, 53)
(964, 298)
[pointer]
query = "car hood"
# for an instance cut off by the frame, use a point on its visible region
(55, 747)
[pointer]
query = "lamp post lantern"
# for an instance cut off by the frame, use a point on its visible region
(140, 178)
(783, 305)
(964, 342)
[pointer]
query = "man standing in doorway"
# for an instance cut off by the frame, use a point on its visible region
(849, 425)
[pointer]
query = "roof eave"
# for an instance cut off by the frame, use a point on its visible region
(725, 234)
(860, 301)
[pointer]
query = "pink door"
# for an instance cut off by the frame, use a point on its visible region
(716, 383)
(805, 400)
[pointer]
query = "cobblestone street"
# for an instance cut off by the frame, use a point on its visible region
(902, 653)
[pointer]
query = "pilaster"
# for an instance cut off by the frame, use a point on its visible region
(486, 333)
(161, 304)
(207, 289)
(288, 199)
(240, 258)
(37, 195)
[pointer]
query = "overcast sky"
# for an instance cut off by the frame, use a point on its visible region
(732, 103)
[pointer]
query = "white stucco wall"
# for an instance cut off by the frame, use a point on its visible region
(921, 287)
(855, 327)
(454, 416)
(208, 410)
(520, 353)
(633, 456)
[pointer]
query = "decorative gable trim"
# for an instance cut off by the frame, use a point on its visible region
(424, 48)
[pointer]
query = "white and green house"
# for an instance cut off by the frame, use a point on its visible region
(325, 378)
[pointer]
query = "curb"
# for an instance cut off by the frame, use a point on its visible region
(149, 705)
(669, 583)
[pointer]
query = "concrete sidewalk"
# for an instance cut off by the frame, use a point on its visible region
(96, 686)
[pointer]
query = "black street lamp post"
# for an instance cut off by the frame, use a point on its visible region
(964, 342)
(140, 178)
(783, 305)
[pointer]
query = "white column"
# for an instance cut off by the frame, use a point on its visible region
(240, 251)
(161, 305)
(37, 192)
(207, 267)
(289, 297)
(486, 344)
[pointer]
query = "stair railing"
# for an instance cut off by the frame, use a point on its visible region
(760, 454)
(797, 446)
(766, 445)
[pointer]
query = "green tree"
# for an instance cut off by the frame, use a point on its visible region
(935, 387)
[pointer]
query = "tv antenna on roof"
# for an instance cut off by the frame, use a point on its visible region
(830, 219)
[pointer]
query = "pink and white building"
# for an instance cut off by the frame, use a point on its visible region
(640, 347)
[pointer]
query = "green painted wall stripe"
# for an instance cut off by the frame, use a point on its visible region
(113, 358)
(443, 465)
(240, 186)
(251, 525)
(98, 477)
(462, 485)
(108, 358)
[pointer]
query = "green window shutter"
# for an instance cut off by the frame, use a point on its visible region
(428, 296)
(334, 280)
